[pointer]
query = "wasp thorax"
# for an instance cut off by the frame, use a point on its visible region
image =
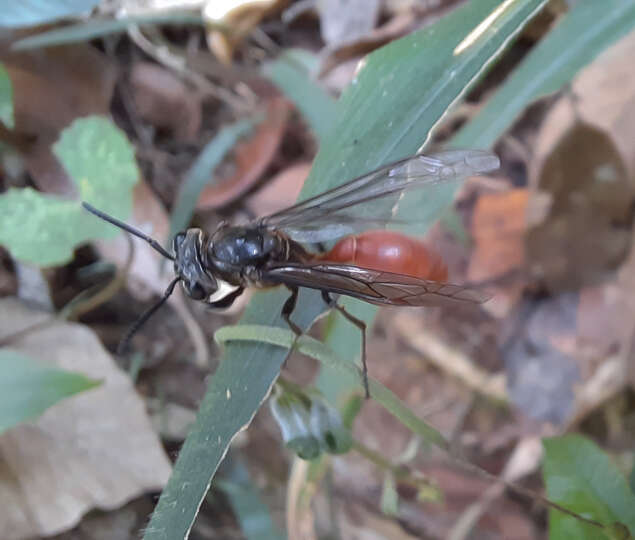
(197, 282)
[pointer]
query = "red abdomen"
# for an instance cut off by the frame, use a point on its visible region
(389, 251)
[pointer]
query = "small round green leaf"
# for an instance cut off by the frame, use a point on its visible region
(44, 229)
(28, 388)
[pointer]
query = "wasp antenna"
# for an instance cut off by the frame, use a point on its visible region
(123, 344)
(136, 232)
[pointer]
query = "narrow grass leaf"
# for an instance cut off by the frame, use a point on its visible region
(581, 35)
(291, 72)
(96, 28)
(35, 12)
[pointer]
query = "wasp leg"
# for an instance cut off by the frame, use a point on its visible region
(287, 310)
(362, 327)
(228, 300)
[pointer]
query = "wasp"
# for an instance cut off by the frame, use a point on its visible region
(365, 260)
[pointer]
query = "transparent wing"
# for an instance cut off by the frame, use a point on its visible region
(371, 200)
(383, 288)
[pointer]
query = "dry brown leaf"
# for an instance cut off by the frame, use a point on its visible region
(51, 88)
(602, 102)
(604, 95)
(251, 157)
(240, 20)
(587, 232)
(498, 227)
(165, 101)
(606, 322)
(585, 159)
(94, 450)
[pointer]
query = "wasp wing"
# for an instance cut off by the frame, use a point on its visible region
(371, 201)
(376, 287)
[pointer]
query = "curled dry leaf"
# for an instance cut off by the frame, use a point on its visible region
(165, 101)
(240, 18)
(150, 217)
(51, 88)
(94, 450)
(251, 157)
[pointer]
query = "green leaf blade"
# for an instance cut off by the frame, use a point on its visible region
(29, 388)
(6, 98)
(35, 12)
(96, 28)
(582, 34)
(580, 477)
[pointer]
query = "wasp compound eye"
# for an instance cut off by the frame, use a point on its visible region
(195, 291)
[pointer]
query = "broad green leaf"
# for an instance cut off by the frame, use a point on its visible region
(34, 12)
(579, 37)
(402, 91)
(45, 229)
(28, 388)
(95, 28)
(291, 72)
(201, 172)
(6, 98)
(582, 478)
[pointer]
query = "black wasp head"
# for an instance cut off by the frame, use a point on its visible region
(198, 281)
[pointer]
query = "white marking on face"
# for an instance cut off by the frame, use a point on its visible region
(224, 289)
